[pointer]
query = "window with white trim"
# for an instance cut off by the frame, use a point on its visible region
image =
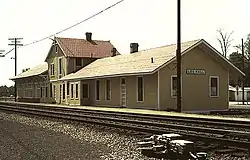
(140, 87)
(97, 90)
(76, 90)
(214, 86)
(63, 91)
(108, 89)
(72, 90)
(67, 88)
(52, 69)
(54, 88)
(174, 86)
(50, 89)
(60, 65)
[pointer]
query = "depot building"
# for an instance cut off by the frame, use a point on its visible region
(147, 79)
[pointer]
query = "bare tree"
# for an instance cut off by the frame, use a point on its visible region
(225, 41)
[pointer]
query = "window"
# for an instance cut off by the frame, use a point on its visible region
(97, 90)
(52, 69)
(76, 90)
(78, 61)
(54, 91)
(214, 86)
(67, 88)
(108, 90)
(72, 91)
(50, 89)
(174, 86)
(85, 91)
(60, 65)
(63, 91)
(140, 89)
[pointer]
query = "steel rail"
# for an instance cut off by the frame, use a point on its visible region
(172, 118)
(222, 132)
(148, 127)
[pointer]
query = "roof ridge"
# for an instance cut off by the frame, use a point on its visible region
(81, 39)
(139, 52)
(168, 45)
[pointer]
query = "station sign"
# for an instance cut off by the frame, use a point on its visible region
(196, 71)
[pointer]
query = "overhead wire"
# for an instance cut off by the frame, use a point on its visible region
(92, 16)
(8, 51)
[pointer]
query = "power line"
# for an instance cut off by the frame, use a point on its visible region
(92, 16)
(9, 51)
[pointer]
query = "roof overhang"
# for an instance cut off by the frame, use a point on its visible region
(218, 55)
(37, 75)
(107, 76)
(201, 43)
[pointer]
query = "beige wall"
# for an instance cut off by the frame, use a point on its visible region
(30, 88)
(115, 93)
(54, 58)
(150, 92)
(195, 88)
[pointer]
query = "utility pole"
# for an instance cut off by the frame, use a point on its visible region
(178, 55)
(243, 69)
(15, 42)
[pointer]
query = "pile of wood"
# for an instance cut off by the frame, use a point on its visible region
(170, 146)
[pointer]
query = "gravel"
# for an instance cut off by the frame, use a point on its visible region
(111, 144)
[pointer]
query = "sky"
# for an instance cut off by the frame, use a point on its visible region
(151, 23)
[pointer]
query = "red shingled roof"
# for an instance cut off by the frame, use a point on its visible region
(73, 47)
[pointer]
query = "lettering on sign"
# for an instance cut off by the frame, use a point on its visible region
(196, 71)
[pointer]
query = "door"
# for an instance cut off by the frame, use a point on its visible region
(123, 92)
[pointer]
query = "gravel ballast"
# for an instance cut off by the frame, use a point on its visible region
(103, 142)
(108, 143)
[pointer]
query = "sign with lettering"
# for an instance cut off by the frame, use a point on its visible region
(196, 71)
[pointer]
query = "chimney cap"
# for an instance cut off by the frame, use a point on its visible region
(134, 47)
(113, 51)
(88, 36)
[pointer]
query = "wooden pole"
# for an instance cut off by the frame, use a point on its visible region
(178, 56)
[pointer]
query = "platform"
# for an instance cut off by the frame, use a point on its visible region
(136, 111)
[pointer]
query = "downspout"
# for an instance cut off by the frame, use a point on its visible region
(158, 90)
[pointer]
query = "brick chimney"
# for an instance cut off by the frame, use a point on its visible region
(88, 36)
(134, 47)
(113, 52)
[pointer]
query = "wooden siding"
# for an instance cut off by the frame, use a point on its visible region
(195, 88)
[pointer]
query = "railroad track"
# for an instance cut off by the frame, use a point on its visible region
(149, 123)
